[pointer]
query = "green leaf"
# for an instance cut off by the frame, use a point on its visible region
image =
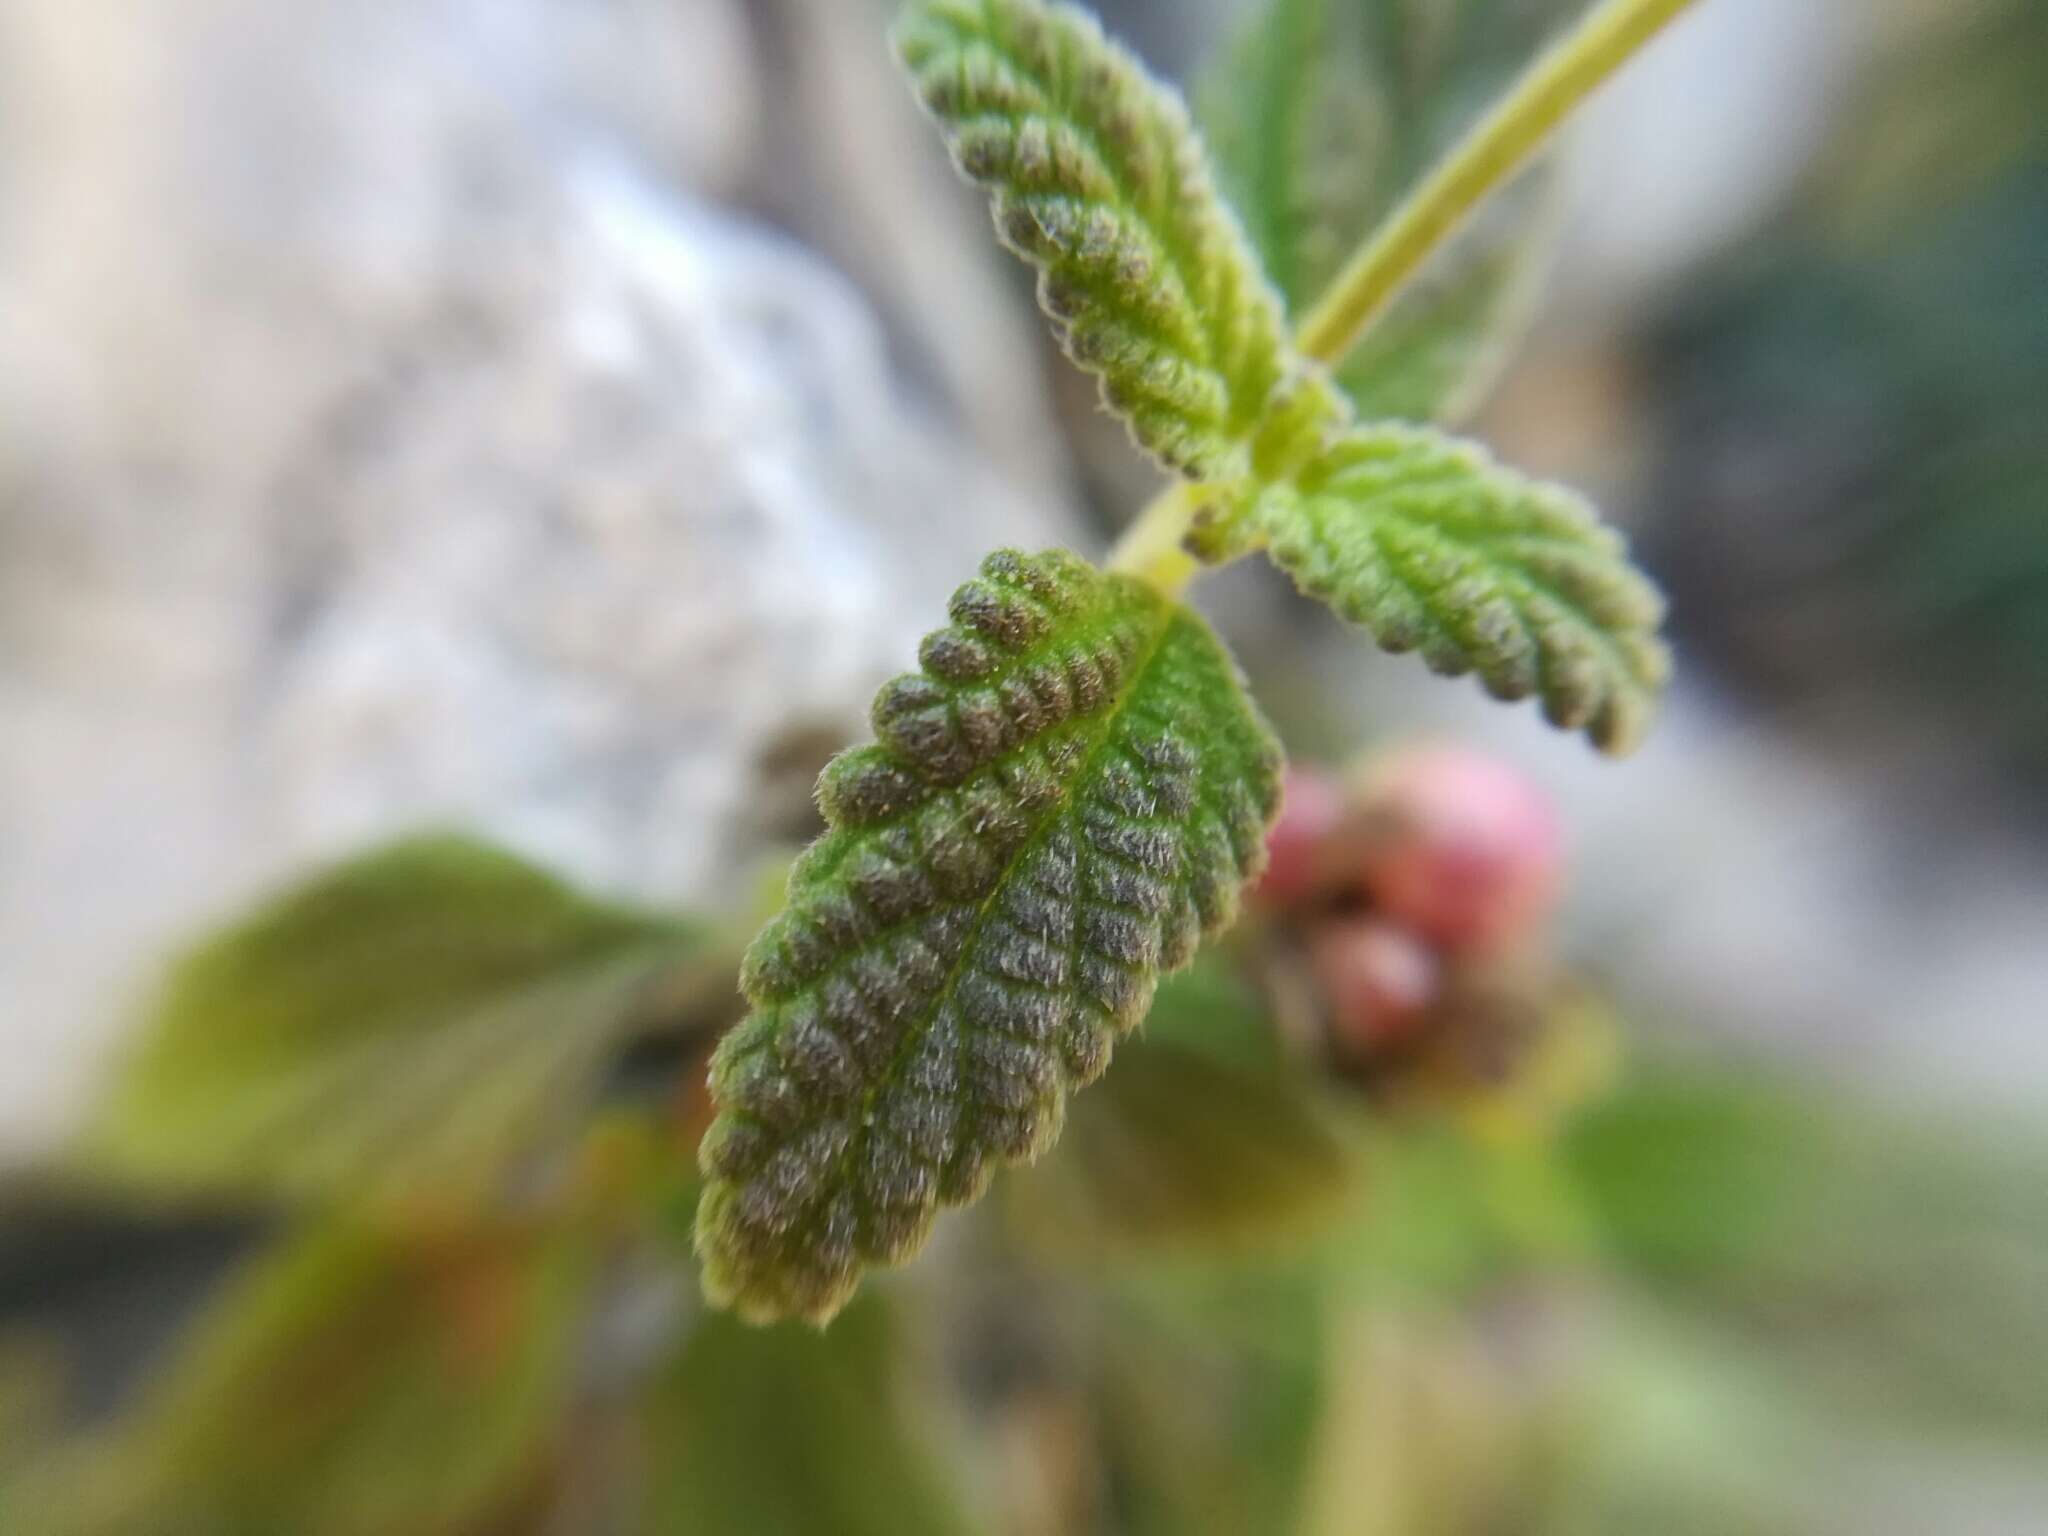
(1324, 114)
(360, 1380)
(1890, 1260)
(1061, 805)
(1434, 548)
(1692, 1174)
(1099, 181)
(1292, 138)
(418, 1023)
(785, 1432)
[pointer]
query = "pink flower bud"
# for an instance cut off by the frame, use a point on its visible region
(1311, 809)
(1464, 850)
(1377, 979)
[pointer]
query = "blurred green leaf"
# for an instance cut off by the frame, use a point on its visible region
(1060, 808)
(1433, 547)
(31, 1379)
(1445, 1215)
(1697, 1176)
(1428, 1431)
(418, 1022)
(360, 1380)
(787, 1431)
(1890, 1265)
(1203, 1136)
(1662, 1427)
(1324, 114)
(1728, 1176)
(1953, 106)
(1211, 1389)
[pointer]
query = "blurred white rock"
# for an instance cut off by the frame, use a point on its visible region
(1696, 142)
(385, 440)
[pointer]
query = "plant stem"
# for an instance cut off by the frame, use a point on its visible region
(1499, 146)
(1150, 548)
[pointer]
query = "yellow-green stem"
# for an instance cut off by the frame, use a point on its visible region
(1151, 548)
(1489, 156)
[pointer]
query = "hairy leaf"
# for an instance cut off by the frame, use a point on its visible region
(785, 1432)
(356, 1381)
(417, 1022)
(1061, 805)
(1434, 548)
(1888, 1258)
(1323, 116)
(1099, 181)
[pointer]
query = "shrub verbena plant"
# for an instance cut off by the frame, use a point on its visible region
(1068, 797)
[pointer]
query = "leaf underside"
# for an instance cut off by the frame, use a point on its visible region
(1323, 115)
(1097, 178)
(1059, 807)
(1434, 548)
(417, 1023)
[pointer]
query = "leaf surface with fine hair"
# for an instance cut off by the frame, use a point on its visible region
(360, 1376)
(1434, 548)
(1060, 806)
(1097, 178)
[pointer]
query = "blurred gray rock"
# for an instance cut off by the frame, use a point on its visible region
(386, 441)
(849, 162)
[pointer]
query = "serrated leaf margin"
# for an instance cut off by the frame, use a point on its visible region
(1098, 179)
(1428, 543)
(1062, 804)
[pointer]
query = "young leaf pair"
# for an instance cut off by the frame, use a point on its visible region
(1069, 796)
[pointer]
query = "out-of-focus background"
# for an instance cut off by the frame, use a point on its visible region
(552, 420)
